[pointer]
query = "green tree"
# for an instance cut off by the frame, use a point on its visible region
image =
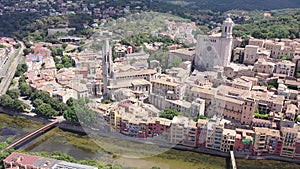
(57, 105)
(202, 117)
(14, 93)
(85, 114)
(155, 167)
(26, 51)
(176, 62)
(25, 89)
(78, 111)
(6, 101)
(43, 95)
(37, 102)
(70, 102)
(19, 105)
(22, 79)
(245, 41)
(57, 60)
(21, 69)
(59, 66)
(70, 115)
(286, 58)
(169, 114)
(46, 110)
(107, 101)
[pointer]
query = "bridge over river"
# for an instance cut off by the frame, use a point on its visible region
(32, 134)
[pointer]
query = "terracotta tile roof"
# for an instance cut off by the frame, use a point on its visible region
(24, 158)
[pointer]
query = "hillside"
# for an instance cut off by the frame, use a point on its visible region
(139, 23)
(225, 5)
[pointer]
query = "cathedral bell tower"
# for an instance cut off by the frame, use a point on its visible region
(107, 67)
(227, 28)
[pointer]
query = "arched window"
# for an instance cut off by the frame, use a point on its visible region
(225, 29)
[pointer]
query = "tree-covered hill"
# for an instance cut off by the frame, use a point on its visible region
(282, 24)
(225, 5)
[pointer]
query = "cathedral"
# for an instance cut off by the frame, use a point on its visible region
(214, 50)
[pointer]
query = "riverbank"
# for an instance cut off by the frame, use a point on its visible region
(78, 129)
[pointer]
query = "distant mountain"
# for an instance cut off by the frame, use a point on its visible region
(225, 5)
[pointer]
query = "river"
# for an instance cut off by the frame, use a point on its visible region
(83, 147)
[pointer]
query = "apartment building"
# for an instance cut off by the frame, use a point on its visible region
(250, 54)
(291, 112)
(183, 131)
(190, 138)
(297, 150)
(158, 126)
(229, 107)
(147, 74)
(237, 70)
(265, 140)
(178, 128)
(179, 105)
(253, 53)
(263, 66)
(285, 67)
(168, 87)
(179, 73)
(267, 102)
(228, 140)
(249, 107)
(214, 135)
(242, 83)
(193, 109)
(207, 94)
(289, 137)
(197, 107)
(185, 54)
(274, 142)
(201, 132)
(243, 140)
(80, 89)
(256, 42)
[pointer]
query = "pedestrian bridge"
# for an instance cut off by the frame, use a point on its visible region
(233, 163)
(32, 134)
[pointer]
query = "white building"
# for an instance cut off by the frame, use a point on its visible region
(215, 50)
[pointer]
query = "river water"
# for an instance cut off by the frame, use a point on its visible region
(83, 147)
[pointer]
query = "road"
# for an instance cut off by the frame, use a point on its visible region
(4, 85)
(6, 62)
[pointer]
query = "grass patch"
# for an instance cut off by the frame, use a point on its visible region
(26, 124)
(189, 160)
(84, 142)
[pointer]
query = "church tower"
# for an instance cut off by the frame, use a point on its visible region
(226, 41)
(227, 28)
(107, 67)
